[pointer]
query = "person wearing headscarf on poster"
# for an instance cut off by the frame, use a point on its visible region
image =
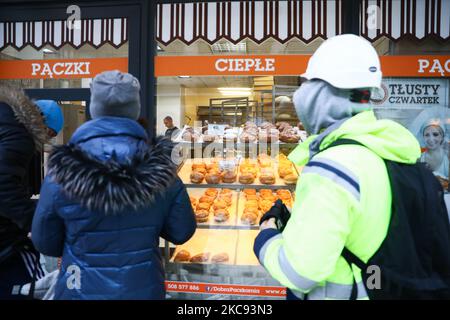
(436, 153)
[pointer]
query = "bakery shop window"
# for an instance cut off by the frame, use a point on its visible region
(234, 134)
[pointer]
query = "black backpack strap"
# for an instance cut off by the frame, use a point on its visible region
(342, 141)
(353, 259)
(349, 257)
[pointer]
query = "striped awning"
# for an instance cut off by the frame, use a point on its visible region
(399, 19)
(305, 20)
(38, 34)
(235, 21)
(255, 20)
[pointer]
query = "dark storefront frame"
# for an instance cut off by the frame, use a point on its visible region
(139, 14)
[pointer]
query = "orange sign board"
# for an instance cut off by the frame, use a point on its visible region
(236, 65)
(230, 65)
(391, 66)
(60, 69)
(225, 289)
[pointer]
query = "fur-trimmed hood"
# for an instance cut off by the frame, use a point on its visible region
(113, 186)
(26, 112)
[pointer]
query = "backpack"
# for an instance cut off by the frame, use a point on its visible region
(414, 258)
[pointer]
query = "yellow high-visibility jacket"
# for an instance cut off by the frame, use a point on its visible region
(343, 199)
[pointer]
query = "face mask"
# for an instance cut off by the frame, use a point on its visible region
(319, 105)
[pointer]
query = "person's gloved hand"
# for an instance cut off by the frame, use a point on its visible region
(280, 214)
(267, 224)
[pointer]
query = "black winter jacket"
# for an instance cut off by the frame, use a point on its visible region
(22, 133)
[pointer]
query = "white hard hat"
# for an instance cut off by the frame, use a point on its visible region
(346, 61)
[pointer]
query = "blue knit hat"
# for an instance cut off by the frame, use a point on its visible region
(53, 115)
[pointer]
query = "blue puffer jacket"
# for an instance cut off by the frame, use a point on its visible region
(104, 204)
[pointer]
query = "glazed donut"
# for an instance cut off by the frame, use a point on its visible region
(263, 192)
(220, 258)
(225, 198)
(212, 167)
(202, 215)
(267, 125)
(249, 218)
(291, 179)
(252, 210)
(251, 204)
(252, 197)
(182, 256)
(198, 165)
(206, 199)
(200, 258)
(289, 138)
(267, 178)
(246, 178)
(203, 206)
(221, 215)
(283, 125)
(265, 205)
(211, 192)
(212, 178)
(250, 191)
(285, 170)
(269, 197)
(220, 204)
(196, 177)
(229, 177)
(226, 191)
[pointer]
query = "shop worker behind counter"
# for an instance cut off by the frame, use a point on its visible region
(172, 130)
(343, 198)
(24, 128)
(108, 198)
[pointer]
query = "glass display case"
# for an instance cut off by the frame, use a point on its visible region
(229, 193)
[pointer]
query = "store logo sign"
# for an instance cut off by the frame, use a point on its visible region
(245, 65)
(59, 69)
(404, 92)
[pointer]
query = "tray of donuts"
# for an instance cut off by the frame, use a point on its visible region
(214, 206)
(254, 203)
(267, 171)
(208, 246)
(197, 172)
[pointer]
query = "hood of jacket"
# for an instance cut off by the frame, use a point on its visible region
(387, 138)
(108, 166)
(319, 105)
(26, 113)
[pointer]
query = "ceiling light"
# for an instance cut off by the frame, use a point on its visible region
(158, 48)
(235, 91)
(184, 77)
(48, 51)
(226, 47)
